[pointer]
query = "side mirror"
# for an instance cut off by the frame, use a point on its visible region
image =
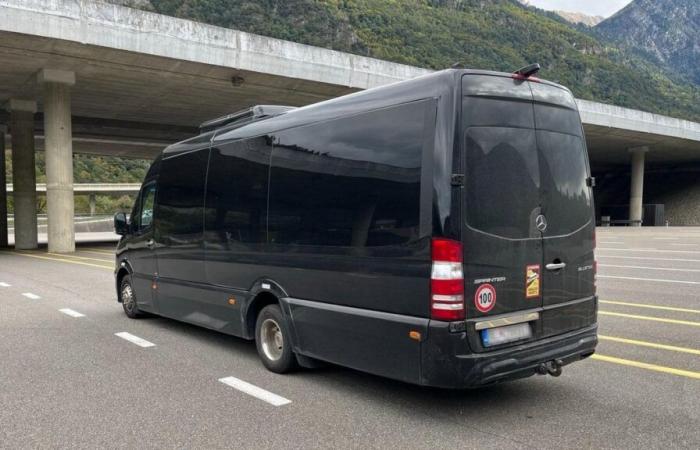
(121, 226)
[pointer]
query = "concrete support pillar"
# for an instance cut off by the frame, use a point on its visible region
(3, 190)
(637, 183)
(58, 145)
(92, 201)
(23, 172)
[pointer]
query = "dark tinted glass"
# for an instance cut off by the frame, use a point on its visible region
(353, 181)
(557, 118)
(566, 197)
(181, 197)
(480, 111)
(236, 200)
(502, 185)
(147, 201)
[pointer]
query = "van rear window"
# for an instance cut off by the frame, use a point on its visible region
(523, 158)
(502, 182)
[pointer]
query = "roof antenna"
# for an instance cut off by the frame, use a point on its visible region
(528, 71)
(457, 65)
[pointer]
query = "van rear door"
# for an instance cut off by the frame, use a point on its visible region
(568, 287)
(528, 228)
(501, 197)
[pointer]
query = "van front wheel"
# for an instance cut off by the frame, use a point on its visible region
(273, 341)
(128, 299)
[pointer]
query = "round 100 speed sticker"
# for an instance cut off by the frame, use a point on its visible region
(485, 298)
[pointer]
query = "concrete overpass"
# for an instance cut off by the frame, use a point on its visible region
(87, 77)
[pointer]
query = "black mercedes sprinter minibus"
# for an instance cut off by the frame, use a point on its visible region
(438, 231)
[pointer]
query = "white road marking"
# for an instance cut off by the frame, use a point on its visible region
(650, 268)
(611, 243)
(72, 313)
(135, 339)
(30, 295)
(657, 280)
(3, 284)
(681, 244)
(646, 250)
(255, 391)
(648, 258)
(666, 238)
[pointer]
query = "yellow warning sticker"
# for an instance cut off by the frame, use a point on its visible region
(532, 281)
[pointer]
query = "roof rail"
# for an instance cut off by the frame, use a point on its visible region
(247, 115)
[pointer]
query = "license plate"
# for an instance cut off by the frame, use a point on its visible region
(502, 335)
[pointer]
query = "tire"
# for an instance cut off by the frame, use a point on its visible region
(273, 341)
(127, 297)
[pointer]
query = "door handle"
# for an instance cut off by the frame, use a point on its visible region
(150, 243)
(555, 266)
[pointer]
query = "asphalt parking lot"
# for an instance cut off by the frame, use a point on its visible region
(68, 380)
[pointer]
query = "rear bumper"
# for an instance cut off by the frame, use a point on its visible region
(444, 366)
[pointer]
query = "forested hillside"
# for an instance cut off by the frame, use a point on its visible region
(491, 34)
(91, 169)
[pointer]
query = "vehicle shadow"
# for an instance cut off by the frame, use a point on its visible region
(376, 389)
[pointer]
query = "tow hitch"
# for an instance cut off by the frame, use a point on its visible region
(553, 368)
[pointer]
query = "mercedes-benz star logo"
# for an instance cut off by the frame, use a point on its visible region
(541, 222)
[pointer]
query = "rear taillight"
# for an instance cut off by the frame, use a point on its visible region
(447, 281)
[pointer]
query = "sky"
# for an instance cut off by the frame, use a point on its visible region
(603, 8)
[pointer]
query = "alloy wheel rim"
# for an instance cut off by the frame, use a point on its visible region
(271, 339)
(128, 297)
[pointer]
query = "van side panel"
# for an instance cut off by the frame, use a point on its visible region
(344, 229)
(178, 236)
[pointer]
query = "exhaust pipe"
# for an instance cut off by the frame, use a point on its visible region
(553, 368)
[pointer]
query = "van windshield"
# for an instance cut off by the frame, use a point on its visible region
(524, 156)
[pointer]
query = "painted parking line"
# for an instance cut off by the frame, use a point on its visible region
(3, 284)
(646, 305)
(646, 258)
(671, 269)
(85, 258)
(672, 348)
(135, 339)
(255, 391)
(103, 251)
(72, 313)
(651, 318)
(30, 295)
(654, 280)
(647, 366)
(63, 260)
(651, 250)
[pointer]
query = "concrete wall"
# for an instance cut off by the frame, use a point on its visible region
(679, 191)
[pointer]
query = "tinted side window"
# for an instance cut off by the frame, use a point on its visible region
(353, 181)
(236, 203)
(181, 197)
(147, 201)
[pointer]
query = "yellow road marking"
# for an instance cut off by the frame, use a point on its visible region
(692, 351)
(95, 250)
(655, 319)
(82, 250)
(29, 255)
(647, 366)
(78, 257)
(645, 305)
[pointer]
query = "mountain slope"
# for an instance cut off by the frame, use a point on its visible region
(584, 19)
(668, 30)
(490, 34)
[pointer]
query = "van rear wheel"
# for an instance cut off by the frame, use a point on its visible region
(273, 341)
